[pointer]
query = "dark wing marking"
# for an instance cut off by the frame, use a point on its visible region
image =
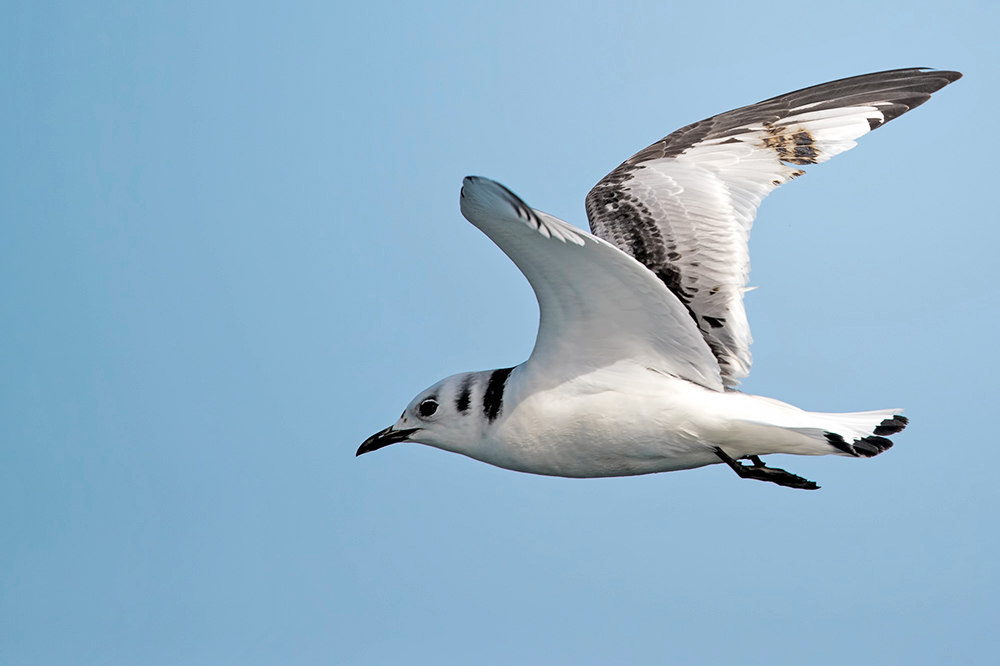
(684, 206)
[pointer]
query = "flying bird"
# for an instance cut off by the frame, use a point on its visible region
(642, 335)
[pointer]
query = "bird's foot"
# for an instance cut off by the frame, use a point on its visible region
(758, 470)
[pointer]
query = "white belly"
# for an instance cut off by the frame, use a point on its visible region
(610, 423)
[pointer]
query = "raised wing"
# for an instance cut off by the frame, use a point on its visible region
(684, 206)
(597, 305)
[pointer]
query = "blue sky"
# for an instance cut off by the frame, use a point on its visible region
(230, 250)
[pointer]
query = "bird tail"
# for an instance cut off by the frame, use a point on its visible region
(856, 434)
(770, 425)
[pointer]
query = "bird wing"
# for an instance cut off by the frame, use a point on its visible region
(597, 305)
(684, 206)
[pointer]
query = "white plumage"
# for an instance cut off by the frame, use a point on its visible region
(642, 333)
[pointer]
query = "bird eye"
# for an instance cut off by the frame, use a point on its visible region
(427, 408)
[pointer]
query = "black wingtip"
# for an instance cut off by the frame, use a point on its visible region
(949, 74)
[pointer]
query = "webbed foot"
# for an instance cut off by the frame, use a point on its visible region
(762, 472)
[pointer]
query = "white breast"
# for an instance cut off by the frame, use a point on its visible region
(615, 421)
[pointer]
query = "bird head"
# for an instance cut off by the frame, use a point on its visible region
(441, 416)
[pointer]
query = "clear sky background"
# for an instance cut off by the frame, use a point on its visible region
(230, 250)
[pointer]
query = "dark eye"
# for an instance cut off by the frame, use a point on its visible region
(427, 408)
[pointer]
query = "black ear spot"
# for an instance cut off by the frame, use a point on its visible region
(427, 408)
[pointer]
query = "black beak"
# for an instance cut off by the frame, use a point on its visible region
(385, 438)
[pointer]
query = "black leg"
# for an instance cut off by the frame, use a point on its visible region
(762, 472)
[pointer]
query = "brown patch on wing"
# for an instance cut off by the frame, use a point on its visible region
(791, 146)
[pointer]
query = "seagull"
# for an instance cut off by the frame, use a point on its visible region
(642, 334)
